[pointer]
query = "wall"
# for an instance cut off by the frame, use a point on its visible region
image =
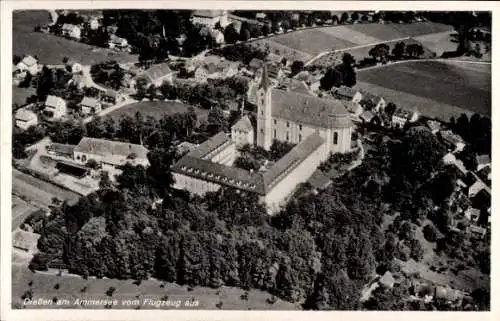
(279, 193)
(194, 185)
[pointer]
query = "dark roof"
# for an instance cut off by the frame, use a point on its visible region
(210, 145)
(308, 109)
(345, 92)
(292, 159)
(219, 173)
(319, 180)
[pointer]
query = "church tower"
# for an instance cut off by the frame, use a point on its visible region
(264, 115)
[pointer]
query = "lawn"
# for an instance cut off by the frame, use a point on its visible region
(19, 95)
(312, 41)
(436, 89)
(349, 34)
(51, 49)
(20, 211)
(282, 50)
(157, 109)
(438, 42)
(70, 288)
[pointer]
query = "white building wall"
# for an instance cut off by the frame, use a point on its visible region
(242, 138)
(26, 124)
(194, 185)
(279, 193)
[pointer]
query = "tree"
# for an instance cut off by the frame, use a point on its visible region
(344, 17)
(26, 83)
(332, 78)
(230, 34)
(354, 16)
(414, 50)
(390, 108)
(297, 67)
(399, 50)
(16, 59)
(379, 52)
(430, 233)
(217, 121)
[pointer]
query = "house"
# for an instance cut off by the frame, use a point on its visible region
(472, 214)
(451, 159)
(18, 75)
(211, 70)
(447, 294)
(60, 150)
(74, 67)
(210, 18)
(215, 34)
(354, 108)
(25, 241)
(347, 93)
(110, 154)
(90, 105)
(367, 117)
(453, 140)
(25, 118)
(476, 188)
(28, 64)
(94, 23)
(117, 42)
(376, 101)
(434, 126)
(275, 70)
(482, 161)
(387, 280)
(260, 16)
(401, 117)
(155, 75)
(110, 96)
(242, 132)
(477, 231)
(71, 31)
(55, 107)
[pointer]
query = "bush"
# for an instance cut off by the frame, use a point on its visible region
(430, 233)
(403, 252)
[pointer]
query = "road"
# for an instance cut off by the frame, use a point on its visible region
(127, 101)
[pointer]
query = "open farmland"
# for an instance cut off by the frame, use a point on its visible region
(71, 288)
(51, 49)
(434, 88)
(20, 211)
(19, 95)
(156, 109)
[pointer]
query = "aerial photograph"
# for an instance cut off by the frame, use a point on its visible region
(251, 160)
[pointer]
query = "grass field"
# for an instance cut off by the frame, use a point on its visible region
(20, 211)
(282, 50)
(436, 89)
(36, 190)
(312, 41)
(438, 42)
(157, 109)
(51, 49)
(71, 289)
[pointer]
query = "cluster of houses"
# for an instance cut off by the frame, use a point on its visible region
(28, 65)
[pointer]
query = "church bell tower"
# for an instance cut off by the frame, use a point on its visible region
(264, 115)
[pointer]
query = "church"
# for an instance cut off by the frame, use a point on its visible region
(317, 127)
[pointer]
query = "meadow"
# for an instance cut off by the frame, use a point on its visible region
(156, 109)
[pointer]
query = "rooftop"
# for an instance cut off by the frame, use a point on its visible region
(25, 114)
(367, 116)
(24, 240)
(483, 159)
(54, 101)
(308, 109)
(89, 101)
(112, 151)
(346, 92)
(319, 180)
(208, 13)
(29, 61)
(210, 145)
(244, 124)
(61, 148)
(156, 72)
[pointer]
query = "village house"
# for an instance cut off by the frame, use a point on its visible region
(482, 161)
(472, 214)
(367, 117)
(376, 101)
(255, 64)
(117, 42)
(25, 118)
(451, 159)
(452, 140)
(28, 64)
(93, 23)
(275, 70)
(347, 93)
(25, 241)
(354, 108)
(110, 96)
(90, 105)
(210, 18)
(60, 150)
(18, 76)
(242, 132)
(110, 154)
(55, 107)
(74, 67)
(477, 231)
(155, 75)
(71, 31)
(222, 69)
(401, 117)
(434, 126)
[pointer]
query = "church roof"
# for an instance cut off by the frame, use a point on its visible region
(308, 109)
(244, 124)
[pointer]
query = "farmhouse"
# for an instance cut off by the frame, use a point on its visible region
(71, 31)
(434, 126)
(25, 118)
(110, 154)
(61, 150)
(377, 102)
(28, 64)
(367, 117)
(347, 93)
(117, 42)
(155, 75)
(210, 18)
(223, 69)
(401, 117)
(93, 23)
(242, 132)
(55, 107)
(90, 105)
(482, 161)
(453, 140)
